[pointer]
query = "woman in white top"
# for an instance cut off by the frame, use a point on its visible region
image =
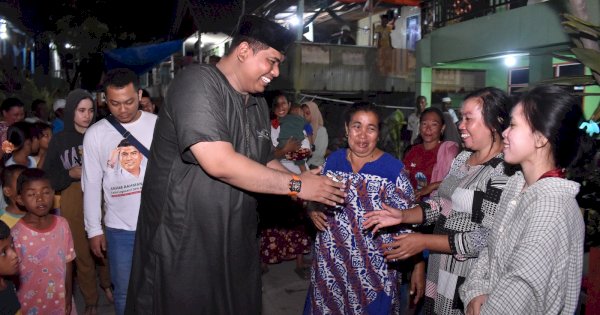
(282, 223)
(320, 137)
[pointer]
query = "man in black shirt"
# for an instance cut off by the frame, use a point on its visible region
(196, 249)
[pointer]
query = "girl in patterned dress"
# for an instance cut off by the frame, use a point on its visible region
(349, 273)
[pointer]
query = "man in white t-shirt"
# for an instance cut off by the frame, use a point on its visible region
(105, 155)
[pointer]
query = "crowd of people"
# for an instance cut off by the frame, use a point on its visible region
(160, 211)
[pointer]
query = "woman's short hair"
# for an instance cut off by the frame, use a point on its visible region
(11, 102)
(363, 107)
(556, 114)
(277, 96)
(496, 106)
(434, 110)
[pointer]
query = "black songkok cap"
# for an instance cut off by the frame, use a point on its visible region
(267, 31)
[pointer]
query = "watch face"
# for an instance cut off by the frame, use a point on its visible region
(295, 185)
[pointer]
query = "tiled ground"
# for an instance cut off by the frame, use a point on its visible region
(283, 293)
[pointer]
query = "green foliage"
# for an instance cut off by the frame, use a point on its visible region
(15, 84)
(88, 37)
(391, 135)
(572, 81)
(579, 29)
(588, 174)
(590, 58)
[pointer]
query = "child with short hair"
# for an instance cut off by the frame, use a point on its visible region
(292, 126)
(43, 134)
(11, 213)
(9, 266)
(63, 168)
(45, 247)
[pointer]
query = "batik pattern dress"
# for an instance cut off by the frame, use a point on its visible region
(349, 274)
(462, 208)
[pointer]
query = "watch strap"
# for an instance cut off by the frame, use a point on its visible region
(295, 185)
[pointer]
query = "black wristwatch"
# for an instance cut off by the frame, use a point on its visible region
(295, 185)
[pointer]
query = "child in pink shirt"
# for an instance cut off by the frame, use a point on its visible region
(45, 247)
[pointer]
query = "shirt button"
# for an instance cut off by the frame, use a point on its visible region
(513, 202)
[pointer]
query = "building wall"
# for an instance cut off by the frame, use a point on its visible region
(500, 33)
(399, 33)
(464, 45)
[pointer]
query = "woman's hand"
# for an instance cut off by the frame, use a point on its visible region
(417, 282)
(423, 192)
(426, 190)
(474, 307)
(75, 172)
(404, 246)
(319, 219)
(388, 216)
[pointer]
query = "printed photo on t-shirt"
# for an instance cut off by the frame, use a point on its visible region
(128, 157)
(126, 168)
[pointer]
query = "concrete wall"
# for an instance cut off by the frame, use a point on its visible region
(520, 30)
(533, 29)
(398, 35)
(325, 67)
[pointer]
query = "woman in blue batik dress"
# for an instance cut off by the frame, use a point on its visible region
(349, 272)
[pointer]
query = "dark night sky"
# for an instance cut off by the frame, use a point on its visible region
(120, 15)
(149, 20)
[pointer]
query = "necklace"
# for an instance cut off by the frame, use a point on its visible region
(351, 160)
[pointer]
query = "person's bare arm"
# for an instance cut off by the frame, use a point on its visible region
(276, 165)
(220, 160)
(390, 216)
(410, 244)
(98, 245)
(427, 190)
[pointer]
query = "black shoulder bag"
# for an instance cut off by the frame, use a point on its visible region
(127, 135)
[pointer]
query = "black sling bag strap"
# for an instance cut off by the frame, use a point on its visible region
(127, 135)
